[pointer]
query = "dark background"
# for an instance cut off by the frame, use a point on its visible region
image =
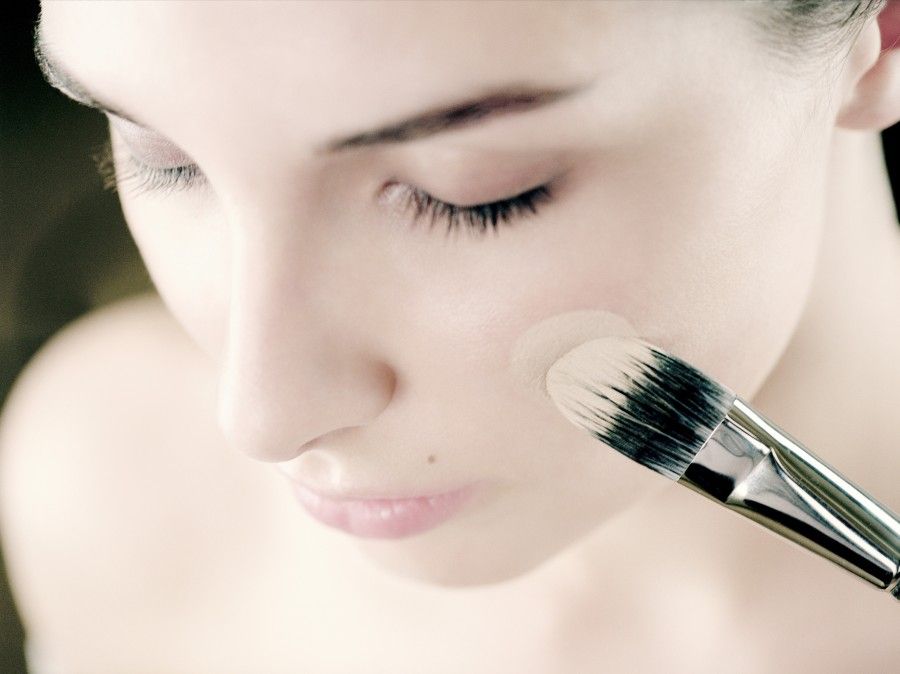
(64, 246)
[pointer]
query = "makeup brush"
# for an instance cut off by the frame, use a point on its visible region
(663, 413)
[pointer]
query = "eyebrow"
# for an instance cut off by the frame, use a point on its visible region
(503, 100)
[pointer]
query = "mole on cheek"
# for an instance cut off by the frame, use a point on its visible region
(431, 458)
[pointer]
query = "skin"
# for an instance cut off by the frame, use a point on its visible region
(751, 234)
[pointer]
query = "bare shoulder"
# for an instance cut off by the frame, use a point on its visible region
(113, 333)
(105, 382)
(95, 369)
(92, 439)
(114, 341)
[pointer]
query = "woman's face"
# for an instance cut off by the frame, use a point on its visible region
(362, 350)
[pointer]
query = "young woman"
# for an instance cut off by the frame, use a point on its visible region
(351, 212)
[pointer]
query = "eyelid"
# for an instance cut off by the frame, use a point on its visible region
(469, 178)
(148, 146)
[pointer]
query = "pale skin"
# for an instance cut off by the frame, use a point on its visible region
(144, 526)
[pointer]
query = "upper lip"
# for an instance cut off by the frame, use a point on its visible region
(363, 495)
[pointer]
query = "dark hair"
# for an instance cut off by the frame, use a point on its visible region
(803, 32)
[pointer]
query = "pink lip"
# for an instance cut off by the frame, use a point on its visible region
(383, 518)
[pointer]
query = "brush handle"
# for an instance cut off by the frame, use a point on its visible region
(751, 466)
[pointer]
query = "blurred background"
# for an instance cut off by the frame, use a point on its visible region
(64, 246)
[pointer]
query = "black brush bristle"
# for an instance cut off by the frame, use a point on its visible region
(652, 407)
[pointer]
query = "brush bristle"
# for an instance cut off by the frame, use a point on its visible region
(652, 407)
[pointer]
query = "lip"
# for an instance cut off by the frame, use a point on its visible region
(383, 517)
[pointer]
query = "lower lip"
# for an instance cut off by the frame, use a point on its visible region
(383, 518)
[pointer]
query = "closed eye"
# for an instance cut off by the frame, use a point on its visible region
(480, 218)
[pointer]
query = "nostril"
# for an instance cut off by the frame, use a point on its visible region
(316, 468)
(266, 409)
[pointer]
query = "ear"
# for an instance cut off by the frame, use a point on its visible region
(872, 97)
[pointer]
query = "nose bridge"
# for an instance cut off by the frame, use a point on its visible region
(292, 369)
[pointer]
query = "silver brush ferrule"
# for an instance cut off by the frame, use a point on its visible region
(756, 469)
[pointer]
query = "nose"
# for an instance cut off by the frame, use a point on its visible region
(297, 361)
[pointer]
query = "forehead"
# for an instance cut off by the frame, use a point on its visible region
(316, 69)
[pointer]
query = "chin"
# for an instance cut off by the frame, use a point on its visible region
(460, 557)
(449, 566)
(516, 540)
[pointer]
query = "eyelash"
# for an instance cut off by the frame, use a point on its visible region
(479, 218)
(152, 179)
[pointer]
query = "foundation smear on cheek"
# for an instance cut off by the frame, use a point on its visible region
(545, 342)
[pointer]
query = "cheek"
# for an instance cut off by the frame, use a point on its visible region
(185, 250)
(729, 272)
(708, 248)
(706, 244)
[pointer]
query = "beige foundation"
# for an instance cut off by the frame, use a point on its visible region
(545, 342)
